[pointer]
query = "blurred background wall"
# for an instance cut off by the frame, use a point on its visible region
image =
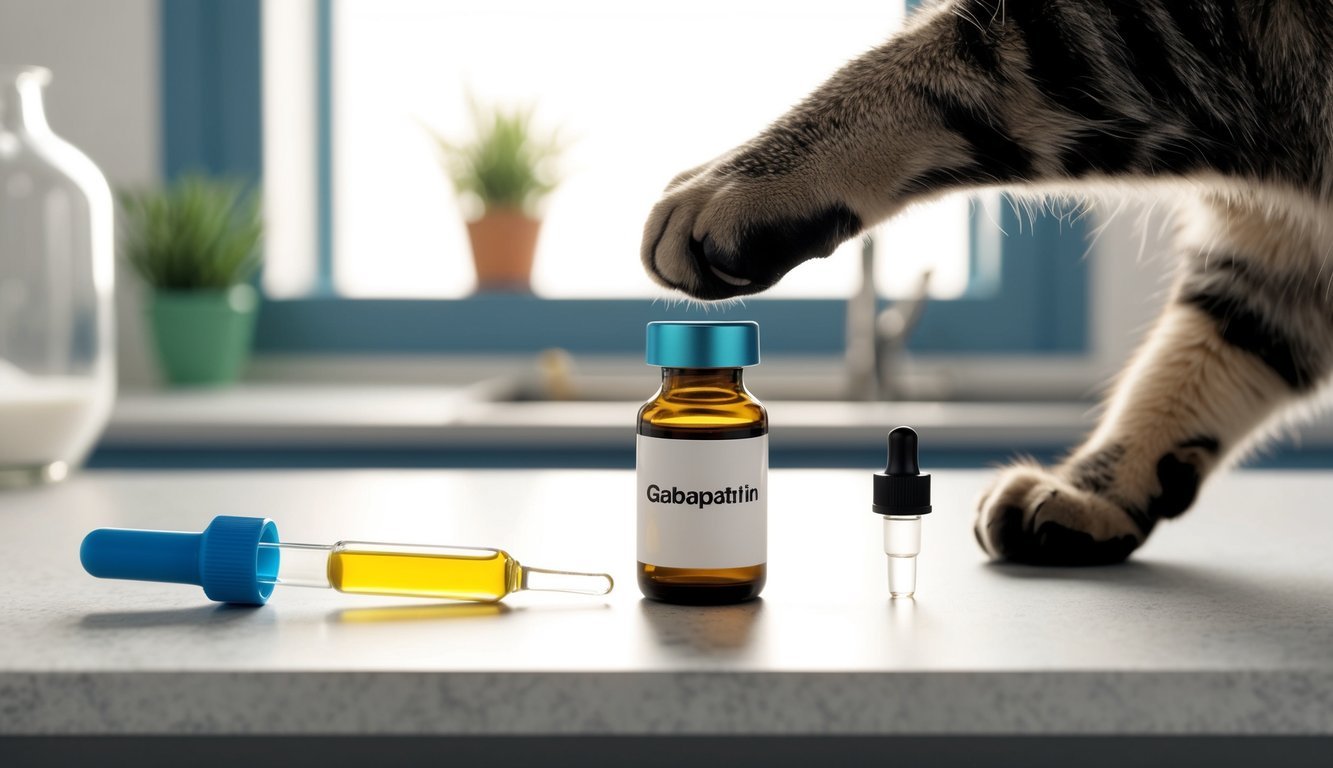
(104, 100)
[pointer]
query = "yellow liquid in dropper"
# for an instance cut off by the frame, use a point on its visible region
(487, 576)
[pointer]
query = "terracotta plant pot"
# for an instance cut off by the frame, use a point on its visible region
(503, 244)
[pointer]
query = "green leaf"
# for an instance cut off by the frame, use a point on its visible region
(198, 233)
(505, 165)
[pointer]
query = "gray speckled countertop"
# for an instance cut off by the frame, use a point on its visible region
(1224, 624)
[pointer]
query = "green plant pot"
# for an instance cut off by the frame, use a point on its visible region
(204, 337)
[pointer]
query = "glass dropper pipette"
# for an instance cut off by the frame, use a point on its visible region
(447, 573)
(902, 498)
(241, 560)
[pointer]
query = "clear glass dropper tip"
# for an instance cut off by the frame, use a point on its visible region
(545, 580)
(902, 576)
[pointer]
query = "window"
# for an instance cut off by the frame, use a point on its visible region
(640, 91)
(1019, 288)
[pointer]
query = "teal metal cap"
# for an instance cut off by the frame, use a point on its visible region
(703, 344)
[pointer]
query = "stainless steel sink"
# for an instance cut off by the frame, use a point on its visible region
(768, 387)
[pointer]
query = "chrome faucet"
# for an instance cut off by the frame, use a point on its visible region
(877, 339)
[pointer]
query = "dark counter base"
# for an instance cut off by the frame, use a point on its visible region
(667, 752)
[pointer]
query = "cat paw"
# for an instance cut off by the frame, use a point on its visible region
(719, 232)
(1031, 515)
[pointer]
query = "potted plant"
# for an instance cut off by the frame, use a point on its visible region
(195, 243)
(502, 176)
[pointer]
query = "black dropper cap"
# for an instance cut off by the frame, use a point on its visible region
(901, 490)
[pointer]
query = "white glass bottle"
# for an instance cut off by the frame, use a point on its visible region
(57, 361)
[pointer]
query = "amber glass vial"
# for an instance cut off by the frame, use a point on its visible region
(702, 468)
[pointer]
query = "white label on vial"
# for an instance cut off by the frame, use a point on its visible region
(702, 503)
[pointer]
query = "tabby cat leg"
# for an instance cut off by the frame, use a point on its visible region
(1242, 336)
(1041, 94)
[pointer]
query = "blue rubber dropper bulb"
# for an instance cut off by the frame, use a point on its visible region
(225, 559)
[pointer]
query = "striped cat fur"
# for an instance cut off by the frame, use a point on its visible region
(1220, 108)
